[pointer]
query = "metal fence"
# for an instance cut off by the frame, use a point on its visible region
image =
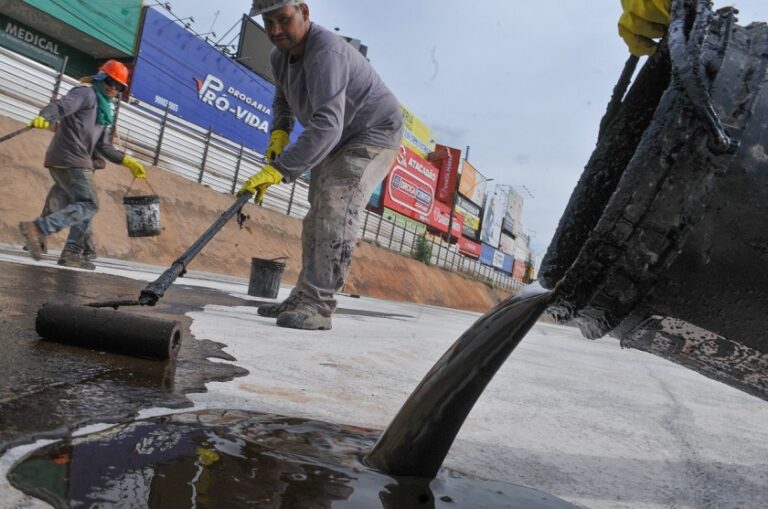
(168, 142)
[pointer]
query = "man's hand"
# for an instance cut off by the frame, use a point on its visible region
(39, 123)
(137, 169)
(278, 140)
(641, 22)
(259, 182)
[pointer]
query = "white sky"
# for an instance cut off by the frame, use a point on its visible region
(524, 84)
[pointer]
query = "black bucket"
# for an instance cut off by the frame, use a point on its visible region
(142, 215)
(663, 243)
(265, 277)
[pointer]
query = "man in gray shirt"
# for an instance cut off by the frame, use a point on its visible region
(352, 131)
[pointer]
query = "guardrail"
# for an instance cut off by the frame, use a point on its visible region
(156, 137)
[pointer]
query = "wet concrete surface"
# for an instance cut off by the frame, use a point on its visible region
(47, 389)
(220, 458)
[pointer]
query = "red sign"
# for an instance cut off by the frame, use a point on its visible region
(439, 220)
(446, 159)
(410, 186)
(518, 271)
(468, 247)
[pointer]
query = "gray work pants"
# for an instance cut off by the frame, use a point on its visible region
(57, 199)
(339, 189)
(73, 187)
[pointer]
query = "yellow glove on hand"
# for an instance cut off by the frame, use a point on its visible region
(136, 167)
(39, 123)
(259, 183)
(641, 22)
(278, 140)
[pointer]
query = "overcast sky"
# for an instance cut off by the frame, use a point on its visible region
(524, 84)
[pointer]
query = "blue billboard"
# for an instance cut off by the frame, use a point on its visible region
(177, 71)
(495, 258)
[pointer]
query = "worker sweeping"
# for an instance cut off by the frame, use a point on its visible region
(85, 115)
(352, 131)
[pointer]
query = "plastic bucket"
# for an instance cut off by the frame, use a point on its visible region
(265, 278)
(142, 215)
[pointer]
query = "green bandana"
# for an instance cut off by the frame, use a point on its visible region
(104, 110)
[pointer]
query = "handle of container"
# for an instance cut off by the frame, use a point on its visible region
(134, 181)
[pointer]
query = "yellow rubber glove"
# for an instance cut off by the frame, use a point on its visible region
(39, 123)
(259, 183)
(136, 167)
(278, 140)
(641, 22)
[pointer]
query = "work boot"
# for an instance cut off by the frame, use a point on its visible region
(72, 259)
(33, 238)
(89, 255)
(304, 316)
(273, 310)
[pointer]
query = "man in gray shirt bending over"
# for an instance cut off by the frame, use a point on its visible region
(352, 130)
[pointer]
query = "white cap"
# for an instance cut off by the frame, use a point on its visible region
(262, 6)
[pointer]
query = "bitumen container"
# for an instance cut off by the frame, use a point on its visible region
(664, 243)
(142, 215)
(265, 277)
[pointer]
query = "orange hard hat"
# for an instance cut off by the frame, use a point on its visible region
(116, 70)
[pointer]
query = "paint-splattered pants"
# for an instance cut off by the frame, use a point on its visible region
(73, 187)
(339, 189)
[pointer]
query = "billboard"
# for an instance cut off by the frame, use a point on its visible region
(254, 49)
(518, 270)
(416, 135)
(469, 248)
(439, 220)
(470, 213)
(406, 222)
(472, 184)
(177, 71)
(493, 217)
(513, 214)
(495, 258)
(506, 243)
(447, 160)
(45, 49)
(410, 186)
(375, 200)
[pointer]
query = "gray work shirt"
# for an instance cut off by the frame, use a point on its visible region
(79, 138)
(337, 96)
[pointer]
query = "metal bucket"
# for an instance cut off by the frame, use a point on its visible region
(663, 243)
(265, 277)
(142, 215)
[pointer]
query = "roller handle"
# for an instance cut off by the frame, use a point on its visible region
(15, 133)
(156, 289)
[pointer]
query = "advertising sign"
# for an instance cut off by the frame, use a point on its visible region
(375, 200)
(102, 28)
(204, 87)
(410, 186)
(439, 220)
(472, 184)
(44, 49)
(416, 135)
(469, 247)
(470, 213)
(518, 271)
(514, 213)
(495, 258)
(406, 222)
(506, 244)
(493, 217)
(447, 160)
(254, 49)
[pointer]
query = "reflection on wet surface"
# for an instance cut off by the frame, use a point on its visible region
(219, 458)
(47, 389)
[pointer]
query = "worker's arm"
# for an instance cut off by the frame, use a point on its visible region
(77, 99)
(641, 22)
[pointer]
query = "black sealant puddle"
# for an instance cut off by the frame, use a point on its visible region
(219, 458)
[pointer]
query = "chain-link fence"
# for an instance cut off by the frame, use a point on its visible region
(168, 142)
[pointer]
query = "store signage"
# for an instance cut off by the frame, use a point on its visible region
(410, 187)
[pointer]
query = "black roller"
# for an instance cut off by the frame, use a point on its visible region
(110, 331)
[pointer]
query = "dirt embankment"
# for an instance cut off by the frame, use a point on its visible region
(188, 208)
